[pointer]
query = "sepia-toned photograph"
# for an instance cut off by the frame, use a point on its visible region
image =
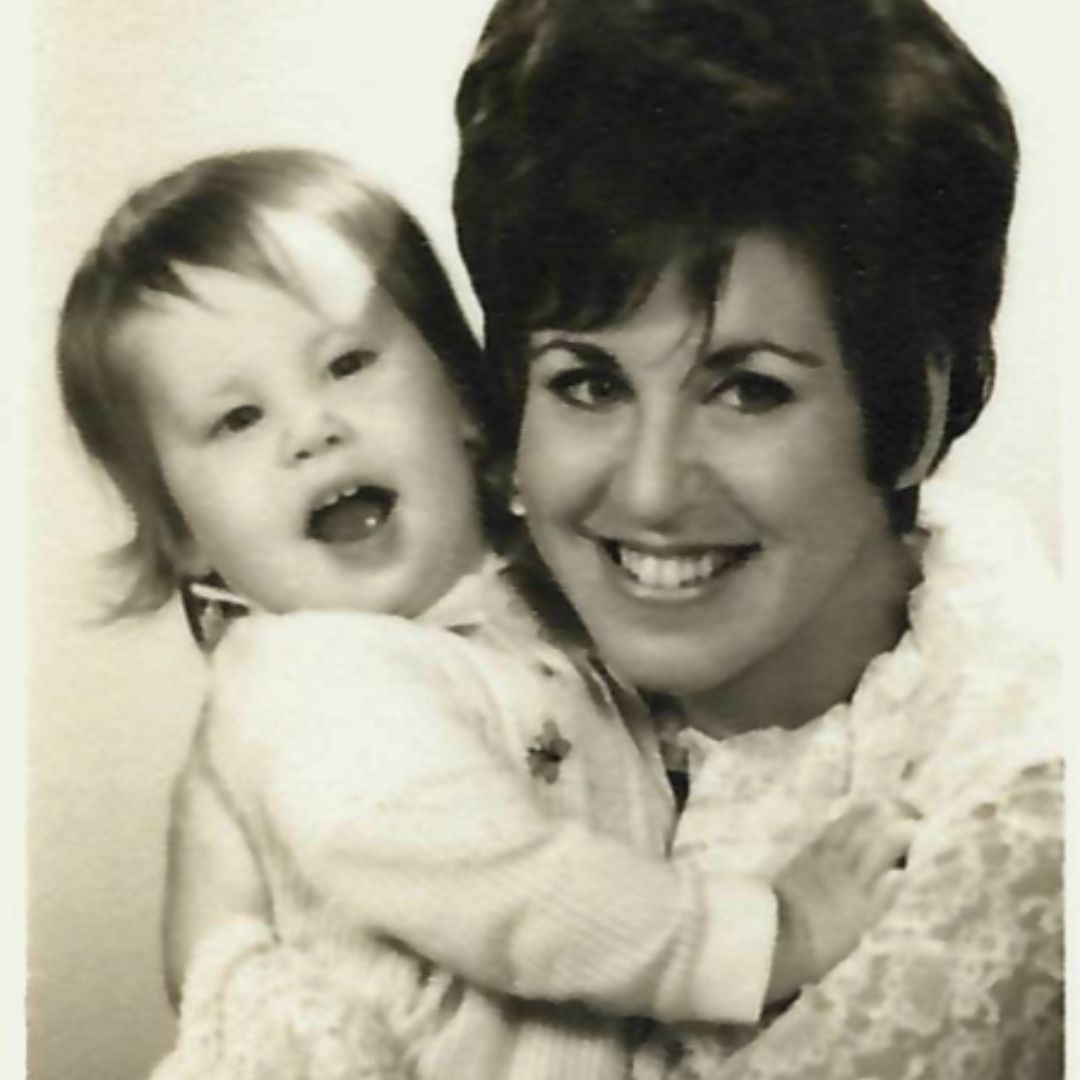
(545, 539)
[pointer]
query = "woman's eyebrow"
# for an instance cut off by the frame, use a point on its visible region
(583, 350)
(738, 352)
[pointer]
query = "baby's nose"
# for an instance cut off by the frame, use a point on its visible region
(312, 432)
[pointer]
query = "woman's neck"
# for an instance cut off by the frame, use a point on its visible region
(822, 662)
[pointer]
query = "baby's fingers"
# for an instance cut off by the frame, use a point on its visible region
(885, 850)
(871, 837)
(883, 894)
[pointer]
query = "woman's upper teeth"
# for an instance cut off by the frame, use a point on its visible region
(675, 571)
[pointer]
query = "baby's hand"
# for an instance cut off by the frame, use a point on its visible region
(834, 890)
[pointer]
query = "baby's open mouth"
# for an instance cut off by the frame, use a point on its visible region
(351, 515)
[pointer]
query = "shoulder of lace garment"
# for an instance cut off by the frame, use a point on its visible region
(964, 701)
(985, 627)
(961, 979)
(969, 695)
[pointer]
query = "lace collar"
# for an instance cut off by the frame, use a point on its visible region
(980, 633)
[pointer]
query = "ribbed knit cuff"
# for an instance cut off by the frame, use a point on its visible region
(731, 975)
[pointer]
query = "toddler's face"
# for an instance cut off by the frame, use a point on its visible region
(316, 450)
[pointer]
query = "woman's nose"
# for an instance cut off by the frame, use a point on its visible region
(313, 429)
(659, 475)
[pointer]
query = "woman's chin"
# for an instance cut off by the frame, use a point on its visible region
(683, 669)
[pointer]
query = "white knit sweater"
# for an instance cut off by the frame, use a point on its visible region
(458, 827)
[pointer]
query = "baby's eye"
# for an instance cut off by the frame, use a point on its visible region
(752, 392)
(237, 419)
(350, 362)
(587, 389)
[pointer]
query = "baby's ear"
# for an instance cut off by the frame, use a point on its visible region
(938, 380)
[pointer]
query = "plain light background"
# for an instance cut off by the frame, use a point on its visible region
(124, 91)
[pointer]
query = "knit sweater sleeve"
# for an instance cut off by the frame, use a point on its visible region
(962, 979)
(357, 742)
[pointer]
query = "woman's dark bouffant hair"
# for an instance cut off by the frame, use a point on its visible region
(600, 139)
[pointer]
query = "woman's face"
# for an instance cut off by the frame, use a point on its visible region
(703, 500)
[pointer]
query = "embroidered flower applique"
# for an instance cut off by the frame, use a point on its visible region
(546, 752)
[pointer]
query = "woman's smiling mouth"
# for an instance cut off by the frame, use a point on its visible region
(679, 574)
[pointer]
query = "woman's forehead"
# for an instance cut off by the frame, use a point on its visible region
(770, 290)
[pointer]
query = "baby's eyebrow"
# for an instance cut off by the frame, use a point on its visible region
(224, 386)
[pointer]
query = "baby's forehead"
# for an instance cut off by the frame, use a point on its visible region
(295, 259)
(321, 266)
(315, 272)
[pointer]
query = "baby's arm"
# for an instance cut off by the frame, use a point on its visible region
(212, 876)
(352, 740)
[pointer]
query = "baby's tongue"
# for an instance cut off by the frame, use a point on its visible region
(353, 518)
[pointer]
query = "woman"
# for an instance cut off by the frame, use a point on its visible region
(740, 260)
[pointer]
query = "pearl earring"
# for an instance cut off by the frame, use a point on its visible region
(516, 504)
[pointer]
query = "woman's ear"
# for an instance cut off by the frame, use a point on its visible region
(938, 380)
(471, 433)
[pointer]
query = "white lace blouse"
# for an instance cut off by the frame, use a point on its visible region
(963, 977)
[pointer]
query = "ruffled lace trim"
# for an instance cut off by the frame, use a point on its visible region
(969, 696)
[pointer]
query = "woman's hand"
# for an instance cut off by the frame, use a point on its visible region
(834, 890)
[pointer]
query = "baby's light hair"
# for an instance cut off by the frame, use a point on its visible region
(212, 213)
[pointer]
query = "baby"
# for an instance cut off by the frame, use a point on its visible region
(450, 833)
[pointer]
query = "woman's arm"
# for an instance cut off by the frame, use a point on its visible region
(251, 1007)
(212, 876)
(963, 977)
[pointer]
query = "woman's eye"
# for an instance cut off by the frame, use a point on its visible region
(586, 389)
(349, 363)
(238, 419)
(751, 392)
